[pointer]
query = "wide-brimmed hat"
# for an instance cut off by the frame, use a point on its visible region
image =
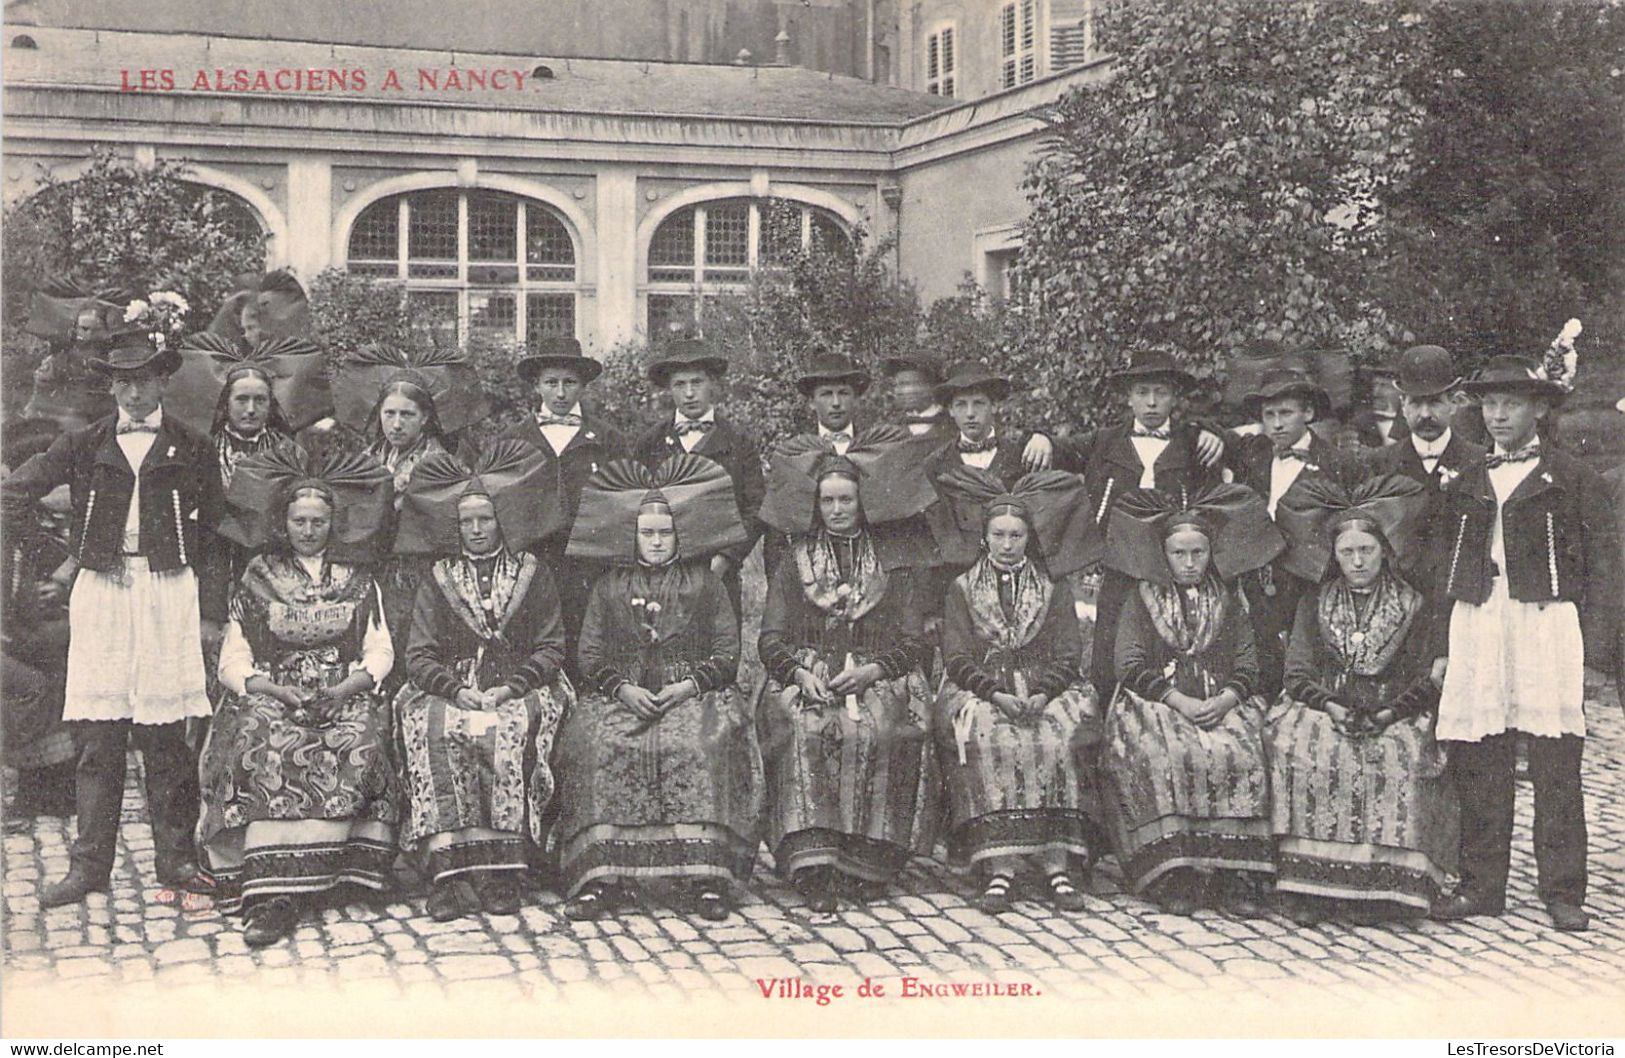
(1288, 382)
(1426, 371)
(928, 366)
(963, 377)
(1513, 374)
(686, 354)
(558, 351)
(1155, 364)
(135, 351)
(833, 367)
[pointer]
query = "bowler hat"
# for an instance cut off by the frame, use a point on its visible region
(832, 367)
(558, 351)
(1288, 382)
(972, 376)
(1426, 371)
(1155, 364)
(928, 366)
(131, 351)
(1513, 374)
(686, 354)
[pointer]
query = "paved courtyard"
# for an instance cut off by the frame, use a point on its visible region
(1119, 950)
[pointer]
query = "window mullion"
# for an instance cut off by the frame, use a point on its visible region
(753, 236)
(699, 245)
(521, 313)
(403, 236)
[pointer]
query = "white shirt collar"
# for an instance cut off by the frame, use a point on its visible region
(1301, 444)
(1534, 442)
(824, 431)
(992, 436)
(1431, 449)
(155, 420)
(678, 418)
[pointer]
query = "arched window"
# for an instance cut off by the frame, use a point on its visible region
(480, 262)
(712, 248)
(235, 215)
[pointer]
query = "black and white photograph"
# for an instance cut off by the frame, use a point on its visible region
(813, 518)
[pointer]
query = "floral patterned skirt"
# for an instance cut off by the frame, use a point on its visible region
(1370, 818)
(294, 809)
(1017, 789)
(677, 798)
(1179, 796)
(478, 781)
(860, 793)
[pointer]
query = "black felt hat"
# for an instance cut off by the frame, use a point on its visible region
(831, 368)
(1155, 364)
(131, 351)
(963, 377)
(558, 351)
(689, 354)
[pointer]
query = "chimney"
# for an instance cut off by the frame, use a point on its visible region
(743, 58)
(781, 48)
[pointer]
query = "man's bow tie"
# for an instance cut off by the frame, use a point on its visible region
(1522, 455)
(685, 427)
(968, 447)
(1293, 453)
(136, 427)
(547, 418)
(1160, 435)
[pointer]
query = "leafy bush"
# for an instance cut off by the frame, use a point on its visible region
(117, 225)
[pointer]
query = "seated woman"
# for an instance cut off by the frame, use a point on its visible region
(299, 788)
(485, 691)
(660, 774)
(1015, 719)
(853, 786)
(1186, 779)
(1366, 821)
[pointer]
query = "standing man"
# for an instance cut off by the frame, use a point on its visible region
(576, 445)
(1284, 456)
(135, 661)
(1532, 566)
(1155, 448)
(833, 385)
(1428, 451)
(972, 394)
(691, 374)
(914, 380)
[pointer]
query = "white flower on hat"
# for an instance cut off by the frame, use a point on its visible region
(1561, 361)
(135, 310)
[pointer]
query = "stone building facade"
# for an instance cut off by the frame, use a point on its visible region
(523, 194)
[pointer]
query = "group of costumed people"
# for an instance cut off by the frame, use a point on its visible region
(1238, 660)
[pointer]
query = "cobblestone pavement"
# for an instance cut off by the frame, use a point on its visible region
(1119, 949)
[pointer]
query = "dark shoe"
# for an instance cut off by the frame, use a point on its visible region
(1302, 910)
(859, 890)
(450, 899)
(594, 901)
(711, 905)
(1063, 895)
(1369, 912)
(70, 890)
(1238, 895)
(995, 896)
(818, 886)
(187, 877)
(502, 894)
(1458, 906)
(1569, 918)
(270, 921)
(1179, 892)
